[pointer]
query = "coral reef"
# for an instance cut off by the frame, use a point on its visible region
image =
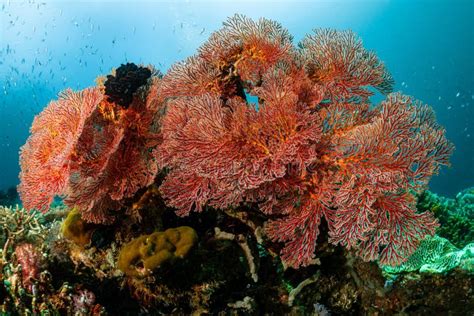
(456, 216)
(290, 195)
(216, 276)
(438, 255)
(28, 281)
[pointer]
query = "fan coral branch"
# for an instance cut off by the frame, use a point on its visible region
(44, 159)
(93, 152)
(338, 61)
(311, 147)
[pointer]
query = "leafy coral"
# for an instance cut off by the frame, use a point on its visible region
(436, 255)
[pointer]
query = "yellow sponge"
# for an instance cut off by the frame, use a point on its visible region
(142, 255)
(76, 229)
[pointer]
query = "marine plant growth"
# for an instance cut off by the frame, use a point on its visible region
(250, 120)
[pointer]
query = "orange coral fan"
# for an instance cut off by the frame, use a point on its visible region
(93, 151)
(117, 159)
(248, 147)
(45, 157)
(233, 59)
(312, 147)
(339, 62)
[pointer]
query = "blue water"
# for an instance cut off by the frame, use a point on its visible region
(46, 46)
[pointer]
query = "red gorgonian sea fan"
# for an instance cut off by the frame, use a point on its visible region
(310, 147)
(92, 151)
(45, 158)
(115, 155)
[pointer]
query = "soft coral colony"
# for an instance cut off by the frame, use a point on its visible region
(310, 151)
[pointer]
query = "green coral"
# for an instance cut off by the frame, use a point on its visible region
(456, 216)
(142, 255)
(436, 255)
(465, 201)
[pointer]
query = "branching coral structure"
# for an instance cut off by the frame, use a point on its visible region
(93, 152)
(251, 120)
(311, 148)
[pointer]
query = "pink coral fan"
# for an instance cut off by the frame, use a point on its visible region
(312, 147)
(117, 159)
(45, 157)
(91, 151)
(30, 260)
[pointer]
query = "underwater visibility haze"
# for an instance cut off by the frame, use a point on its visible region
(247, 157)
